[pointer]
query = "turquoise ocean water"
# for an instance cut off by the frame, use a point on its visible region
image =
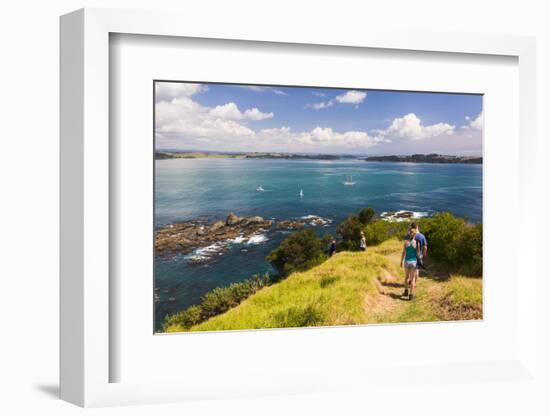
(186, 189)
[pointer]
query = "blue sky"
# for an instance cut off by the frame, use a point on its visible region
(223, 117)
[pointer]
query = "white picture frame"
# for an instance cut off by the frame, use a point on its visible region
(85, 210)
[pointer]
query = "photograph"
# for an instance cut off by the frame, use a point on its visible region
(310, 206)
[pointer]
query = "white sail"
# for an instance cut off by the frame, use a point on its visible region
(301, 193)
(349, 180)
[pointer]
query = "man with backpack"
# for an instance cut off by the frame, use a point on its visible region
(423, 243)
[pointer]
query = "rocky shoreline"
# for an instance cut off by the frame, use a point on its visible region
(215, 237)
(398, 216)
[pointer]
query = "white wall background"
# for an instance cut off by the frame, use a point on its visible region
(29, 56)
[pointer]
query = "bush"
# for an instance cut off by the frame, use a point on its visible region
(350, 231)
(472, 250)
(366, 215)
(377, 232)
(454, 243)
(216, 302)
(187, 318)
(300, 251)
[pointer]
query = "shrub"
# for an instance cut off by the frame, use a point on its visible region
(472, 248)
(377, 232)
(187, 318)
(350, 231)
(366, 215)
(300, 251)
(443, 232)
(454, 243)
(216, 302)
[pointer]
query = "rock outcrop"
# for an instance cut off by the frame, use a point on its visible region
(209, 239)
(188, 236)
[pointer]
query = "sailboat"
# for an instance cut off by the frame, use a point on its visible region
(349, 181)
(260, 189)
(301, 193)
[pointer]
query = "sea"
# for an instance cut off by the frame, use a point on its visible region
(210, 188)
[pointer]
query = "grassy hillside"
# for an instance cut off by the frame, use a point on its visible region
(352, 288)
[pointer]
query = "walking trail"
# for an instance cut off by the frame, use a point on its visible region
(438, 296)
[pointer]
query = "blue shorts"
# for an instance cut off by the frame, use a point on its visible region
(411, 264)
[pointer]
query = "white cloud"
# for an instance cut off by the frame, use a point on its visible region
(255, 114)
(410, 127)
(476, 124)
(230, 111)
(253, 88)
(258, 88)
(318, 94)
(166, 91)
(183, 123)
(227, 111)
(321, 105)
(321, 137)
(349, 97)
(352, 97)
(177, 115)
(186, 119)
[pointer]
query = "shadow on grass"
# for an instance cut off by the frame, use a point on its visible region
(396, 296)
(391, 284)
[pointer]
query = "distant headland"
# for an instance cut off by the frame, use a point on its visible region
(248, 155)
(416, 158)
(429, 158)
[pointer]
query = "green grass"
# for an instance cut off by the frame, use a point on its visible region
(351, 288)
(332, 293)
(463, 289)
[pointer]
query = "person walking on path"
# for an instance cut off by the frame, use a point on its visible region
(332, 247)
(423, 242)
(409, 261)
(363, 242)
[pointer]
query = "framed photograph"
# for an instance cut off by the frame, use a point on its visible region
(273, 214)
(315, 206)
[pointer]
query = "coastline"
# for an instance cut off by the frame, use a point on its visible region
(429, 159)
(202, 236)
(225, 298)
(416, 158)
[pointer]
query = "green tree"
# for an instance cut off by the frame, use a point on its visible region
(471, 243)
(300, 251)
(366, 215)
(454, 243)
(350, 231)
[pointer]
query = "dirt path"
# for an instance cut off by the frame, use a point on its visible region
(437, 296)
(390, 306)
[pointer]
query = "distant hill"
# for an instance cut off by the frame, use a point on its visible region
(429, 158)
(248, 155)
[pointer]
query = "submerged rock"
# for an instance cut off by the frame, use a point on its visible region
(290, 224)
